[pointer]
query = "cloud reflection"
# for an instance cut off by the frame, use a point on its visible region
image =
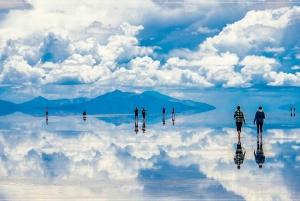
(92, 158)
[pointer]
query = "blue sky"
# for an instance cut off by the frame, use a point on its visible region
(148, 44)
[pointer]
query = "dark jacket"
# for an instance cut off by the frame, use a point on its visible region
(259, 116)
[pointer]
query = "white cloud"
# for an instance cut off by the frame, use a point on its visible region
(274, 49)
(297, 56)
(206, 30)
(295, 67)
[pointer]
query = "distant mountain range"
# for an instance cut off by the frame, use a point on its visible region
(116, 102)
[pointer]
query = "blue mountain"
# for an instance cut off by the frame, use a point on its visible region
(116, 102)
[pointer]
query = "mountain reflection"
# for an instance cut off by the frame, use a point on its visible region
(95, 159)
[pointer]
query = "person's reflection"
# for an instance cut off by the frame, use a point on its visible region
(136, 127)
(47, 119)
(164, 116)
(144, 127)
(239, 155)
(84, 115)
(259, 155)
(173, 116)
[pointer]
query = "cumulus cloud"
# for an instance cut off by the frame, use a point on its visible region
(98, 50)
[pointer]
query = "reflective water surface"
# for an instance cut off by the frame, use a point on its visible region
(100, 157)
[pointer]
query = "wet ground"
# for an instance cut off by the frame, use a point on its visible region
(70, 158)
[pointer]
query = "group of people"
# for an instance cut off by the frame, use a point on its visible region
(136, 115)
(259, 121)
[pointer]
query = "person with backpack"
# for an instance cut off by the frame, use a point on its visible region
(259, 119)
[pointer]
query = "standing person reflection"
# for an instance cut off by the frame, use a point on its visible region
(144, 127)
(239, 155)
(47, 120)
(173, 116)
(136, 127)
(259, 155)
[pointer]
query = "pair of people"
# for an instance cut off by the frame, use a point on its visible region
(136, 113)
(240, 119)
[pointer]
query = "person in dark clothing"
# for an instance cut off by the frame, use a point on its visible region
(144, 113)
(259, 155)
(239, 119)
(136, 113)
(173, 116)
(164, 112)
(46, 111)
(259, 119)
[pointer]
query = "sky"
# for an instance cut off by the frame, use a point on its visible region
(147, 44)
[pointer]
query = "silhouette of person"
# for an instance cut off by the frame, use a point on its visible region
(239, 119)
(47, 120)
(84, 115)
(164, 112)
(291, 109)
(136, 113)
(173, 116)
(259, 119)
(239, 155)
(259, 155)
(144, 127)
(144, 113)
(46, 111)
(136, 127)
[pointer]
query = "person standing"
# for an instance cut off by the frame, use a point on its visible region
(239, 119)
(46, 111)
(259, 119)
(144, 113)
(136, 113)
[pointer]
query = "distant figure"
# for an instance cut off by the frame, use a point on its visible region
(136, 127)
(259, 155)
(144, 113)
(164, 122)
(173, 116)
(144, 127)
(239, 155)
(291, 109)
(136, 113)
(259, 119)
(46, 111)
(84, 115)
(47, 120)
(239, 119)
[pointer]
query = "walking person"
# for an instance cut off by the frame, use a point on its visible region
(136, 113)
(239, 119)
(259, 119)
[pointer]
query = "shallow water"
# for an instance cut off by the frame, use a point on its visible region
(105, 159)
